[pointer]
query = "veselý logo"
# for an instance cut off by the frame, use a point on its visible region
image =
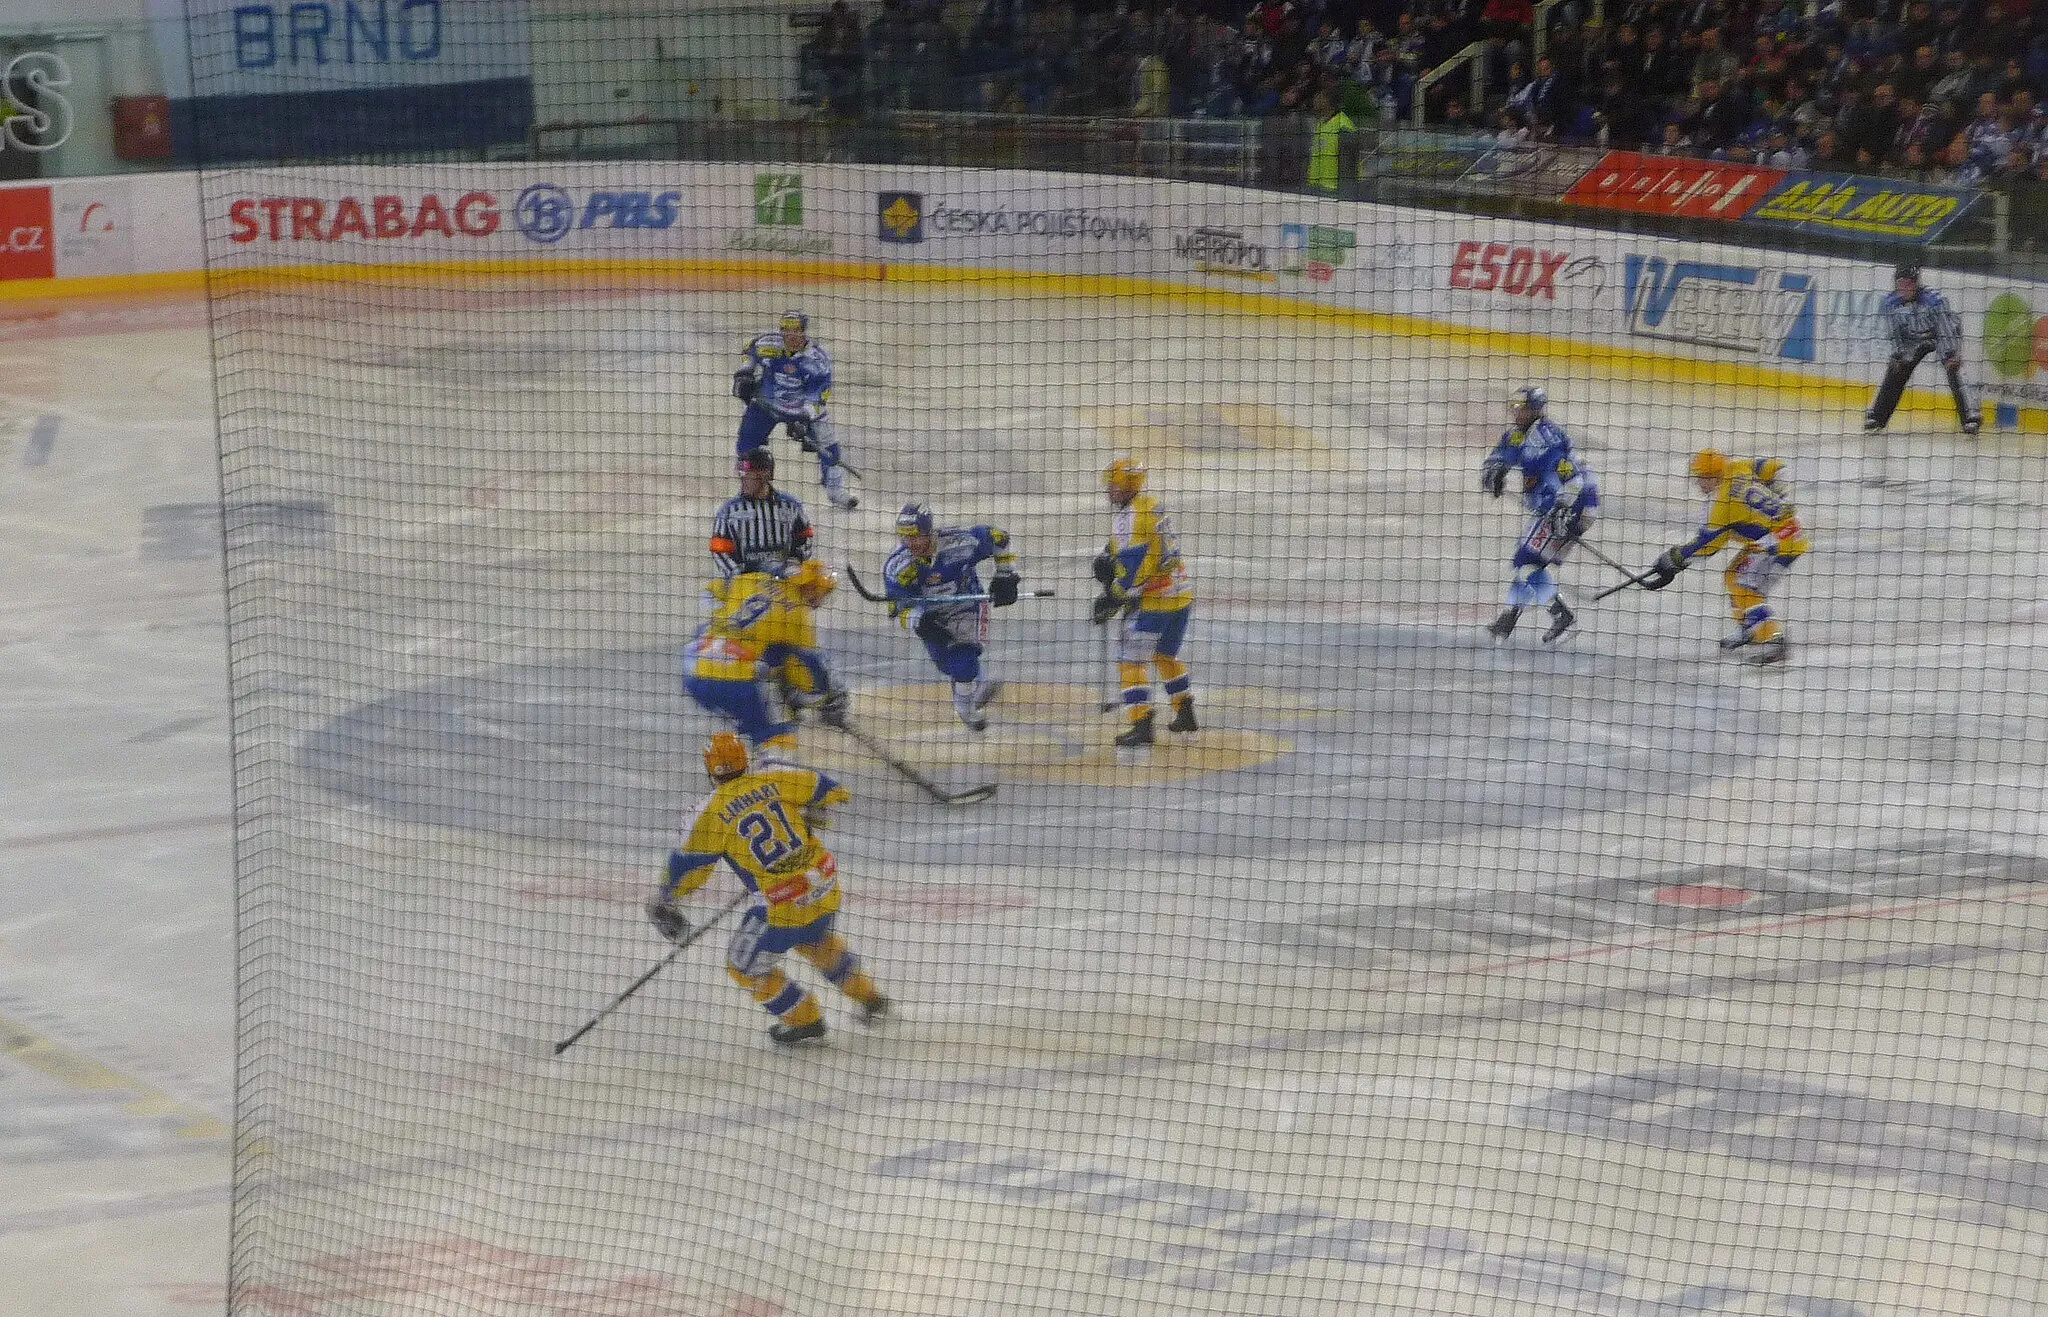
(1760, 310)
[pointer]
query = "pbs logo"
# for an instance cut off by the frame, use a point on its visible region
(544, 212)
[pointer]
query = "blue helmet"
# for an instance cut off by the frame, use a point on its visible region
(795, 321)
(915, 519)
(1532, 396)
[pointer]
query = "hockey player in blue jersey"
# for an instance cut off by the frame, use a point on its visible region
(935, 563)
(1558, 490)
(785, 379)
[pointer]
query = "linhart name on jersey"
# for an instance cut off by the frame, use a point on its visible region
(319, 219)
(1760, 310)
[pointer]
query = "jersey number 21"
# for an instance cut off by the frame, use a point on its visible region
(772, 839)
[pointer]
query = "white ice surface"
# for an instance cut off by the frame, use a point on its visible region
(1372, 1009)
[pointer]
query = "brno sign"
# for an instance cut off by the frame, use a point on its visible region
(42, 120)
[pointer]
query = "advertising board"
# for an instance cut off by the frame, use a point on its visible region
(27, 248)
(418, 213)
(778, 225)
(324, 77)
(1668, 185)
(2014, 332)
(1526, 272)
(1760, 310)
(909, 217)
(1811, 317)
(1871, 207)
(1234, 253)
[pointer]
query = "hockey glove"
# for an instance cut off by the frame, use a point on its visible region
(834, 707)
(800, 430)
(745, 384)
(1002, 589)
(931, 629)
(1563, 521)
(1105, 607)
(1663, 571)
(667, 920)
(1105, 568)
(1493, 478)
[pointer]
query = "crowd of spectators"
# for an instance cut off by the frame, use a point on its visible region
(1947, 91)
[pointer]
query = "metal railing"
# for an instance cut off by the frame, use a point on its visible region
(1472, 55)
(1239, 151)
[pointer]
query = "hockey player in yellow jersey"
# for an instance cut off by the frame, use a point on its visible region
(1750, 507)
(762, 629)
(760, 821)
(1144, 580)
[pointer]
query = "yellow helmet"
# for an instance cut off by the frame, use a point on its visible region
(1125, 475)
(813, 581)
(1708, 464)
(725, 757)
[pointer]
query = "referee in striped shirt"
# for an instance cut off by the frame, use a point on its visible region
(763, 530)
(1921, 322)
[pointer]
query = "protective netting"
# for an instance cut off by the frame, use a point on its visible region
(1435, 973)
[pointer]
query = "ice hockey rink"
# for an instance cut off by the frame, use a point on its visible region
(1431, 976)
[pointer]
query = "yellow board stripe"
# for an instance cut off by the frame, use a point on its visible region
(77, 1071)
(1639, 363)
(107, 285)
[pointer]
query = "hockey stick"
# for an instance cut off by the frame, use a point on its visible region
(1605, 560)
(972, 795)
(1617, 589)
(546, 1049)
(803, 437)
(1630, 577)
(1112, 680)
(811, 446)
(860, 588)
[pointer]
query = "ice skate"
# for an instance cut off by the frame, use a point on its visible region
(1504, 626)
(834, 479)
(1736, 639)
(877, 1010)
(1768, 653)
(1138, 734)
(1562, 619)
(1184, 716)
(967, 704)
(795, 1035)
